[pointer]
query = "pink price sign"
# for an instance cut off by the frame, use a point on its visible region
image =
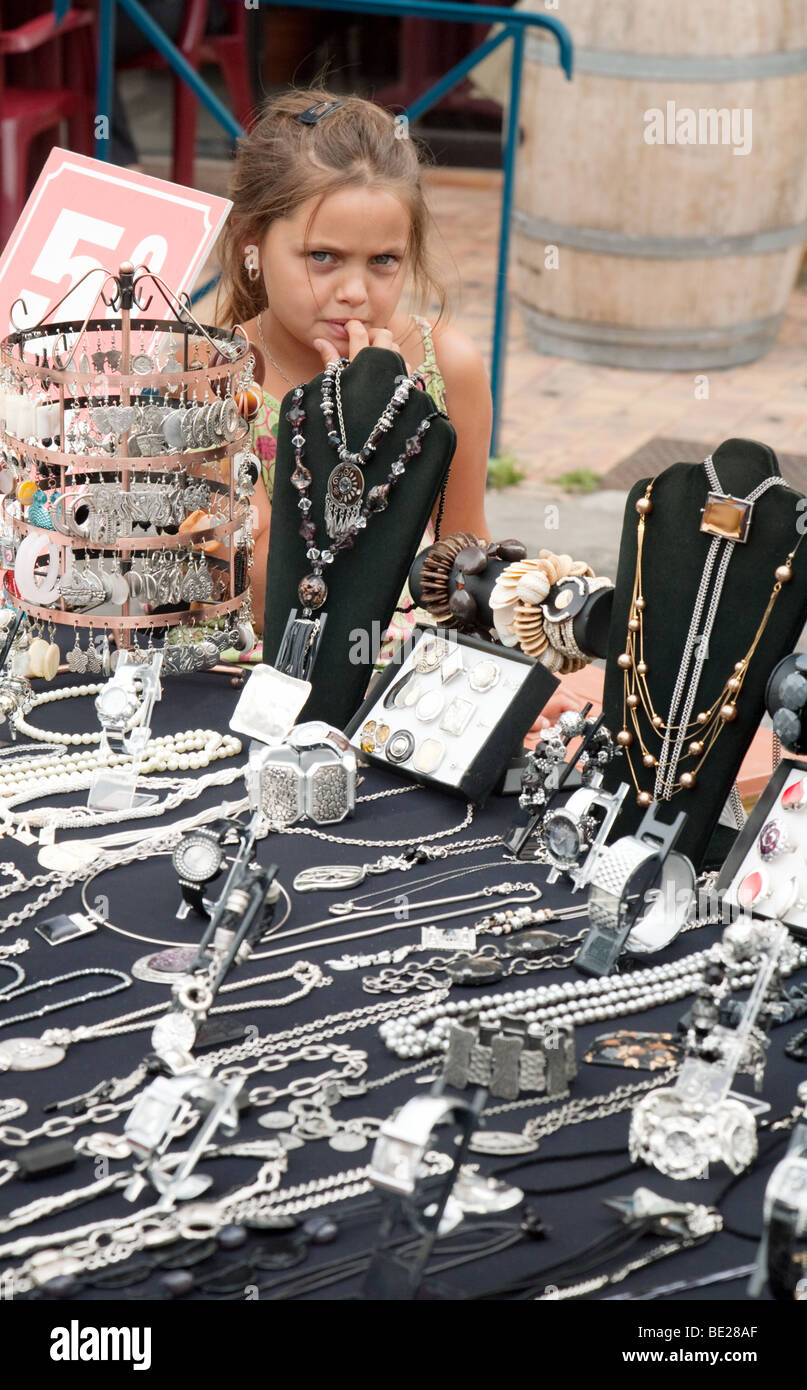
(83, 213)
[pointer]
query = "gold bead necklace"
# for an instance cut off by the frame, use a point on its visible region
(704, 730)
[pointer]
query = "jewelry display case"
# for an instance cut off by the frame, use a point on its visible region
(765, 873)
(453, 714)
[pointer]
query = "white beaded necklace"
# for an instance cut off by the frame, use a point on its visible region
(30, 779)
(193, 749)
(47, 697)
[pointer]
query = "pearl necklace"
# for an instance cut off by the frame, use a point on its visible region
(576, 1002)
(29, 779)
(46, 697)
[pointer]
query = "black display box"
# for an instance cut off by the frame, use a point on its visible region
(765, 810)
(487, 766)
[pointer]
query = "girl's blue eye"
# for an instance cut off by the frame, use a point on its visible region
(386, 259)
(320, 256)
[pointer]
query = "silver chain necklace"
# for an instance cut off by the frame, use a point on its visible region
(382, 844)
(277, 368)
(692, 660)
(123, 982)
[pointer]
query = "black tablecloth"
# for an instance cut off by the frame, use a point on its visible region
(142, 899)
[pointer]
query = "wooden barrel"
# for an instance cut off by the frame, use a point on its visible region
(671, 176)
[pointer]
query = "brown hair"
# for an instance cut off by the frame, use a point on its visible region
(281, 163)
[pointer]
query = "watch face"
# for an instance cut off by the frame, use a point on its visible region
(198, 859)
(563, 837)
(115, 704)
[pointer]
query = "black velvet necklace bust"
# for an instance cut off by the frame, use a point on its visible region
(675, 550)
(364, 583)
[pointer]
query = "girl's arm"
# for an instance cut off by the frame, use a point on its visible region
(470, 409)
(260, 528)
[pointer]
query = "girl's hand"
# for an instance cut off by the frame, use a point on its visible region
(358, 337)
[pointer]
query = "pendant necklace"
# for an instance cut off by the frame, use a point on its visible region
(345, 489)
(330, 877)
(298, 648)
(727, 520)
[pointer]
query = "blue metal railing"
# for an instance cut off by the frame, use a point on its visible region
(513, 26)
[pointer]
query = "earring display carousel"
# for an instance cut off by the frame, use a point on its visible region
(126, 474)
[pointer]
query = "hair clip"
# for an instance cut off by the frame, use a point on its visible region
(315, 113)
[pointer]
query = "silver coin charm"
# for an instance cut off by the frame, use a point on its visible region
(277, 1119)
(173, 1032)
(289, 1141)
(500, 1141)
(28, 1054)
(347, 1141)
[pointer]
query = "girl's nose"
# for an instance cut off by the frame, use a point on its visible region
(352, 291)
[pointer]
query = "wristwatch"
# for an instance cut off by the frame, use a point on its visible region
(672, 904)
(198, 860)
(618, 889)
(126, 702)
(117, 707)
(573, 834)
(403, 1141)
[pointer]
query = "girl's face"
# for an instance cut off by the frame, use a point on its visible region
(350, 263)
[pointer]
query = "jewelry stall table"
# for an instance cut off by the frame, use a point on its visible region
(320, 1034)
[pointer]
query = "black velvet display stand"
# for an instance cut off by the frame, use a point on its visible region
(675, 550)
(365, 583)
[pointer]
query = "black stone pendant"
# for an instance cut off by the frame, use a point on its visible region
(312, 591)
(474, 970)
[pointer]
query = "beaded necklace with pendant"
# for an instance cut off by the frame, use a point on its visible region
(313, 589)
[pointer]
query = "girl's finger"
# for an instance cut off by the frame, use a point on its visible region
(326, 350)
(357, 337)
(382, 337)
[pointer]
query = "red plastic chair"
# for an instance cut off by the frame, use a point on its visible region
(27, 112)
(228, 51)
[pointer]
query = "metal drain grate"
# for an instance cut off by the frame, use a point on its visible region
(657, 454)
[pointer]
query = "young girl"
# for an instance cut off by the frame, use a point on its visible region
(327, 232)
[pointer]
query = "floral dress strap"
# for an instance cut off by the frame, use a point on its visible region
(264, 438)
(429, 369)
